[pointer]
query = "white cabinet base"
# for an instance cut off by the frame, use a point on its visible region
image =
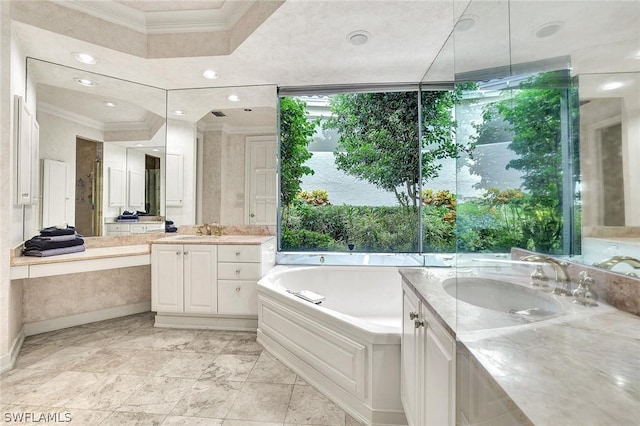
(217, 322)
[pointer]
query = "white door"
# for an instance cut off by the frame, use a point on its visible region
(200, 278)
(175, 180)
(54, 193)
(261, 176)
(167, 281)
(23, 126)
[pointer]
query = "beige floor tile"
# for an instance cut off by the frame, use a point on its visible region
(60, 390)
(261, 402)
(137, 362)
(231, 422)
(156, 339)
(210, 341)
(17, 383)
(350, 421)
(191, 421)
(243, 344)
(107, 393)
(208, 398)
(269, 370)
(235, 368)
(188, 365)
(133, 419)
(31, 354)
(301, 382)
(308, 406)
(70, 358)
(157, 396)
(100, 338)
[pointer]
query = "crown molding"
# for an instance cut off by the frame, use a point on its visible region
(240, 130)
(70, 116)
(162, 22)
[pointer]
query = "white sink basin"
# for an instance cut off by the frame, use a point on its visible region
(502, 296)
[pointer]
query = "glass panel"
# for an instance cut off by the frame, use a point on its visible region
(350, 172)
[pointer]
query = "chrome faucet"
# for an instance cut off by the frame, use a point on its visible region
(613, 261)
(563, 282)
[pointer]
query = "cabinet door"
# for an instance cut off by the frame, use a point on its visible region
(167, 278)
(175, 180)
(237, 297)
(439, 376)
(411, 369)
(23, 120)
(116, 187)
(200, 278)
(136, 189)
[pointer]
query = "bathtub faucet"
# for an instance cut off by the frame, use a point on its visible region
(563, 282)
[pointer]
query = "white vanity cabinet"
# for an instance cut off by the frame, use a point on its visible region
(428, 365)
(184, 278)
(124, 228)
(209, 285)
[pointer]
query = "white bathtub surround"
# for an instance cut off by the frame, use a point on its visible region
(349, 346)
(576, 368)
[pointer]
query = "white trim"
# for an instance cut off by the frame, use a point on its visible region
(53, 324)
(239, 130)
(71, 116)
(219, 322)
(8, 360)
(159, 22)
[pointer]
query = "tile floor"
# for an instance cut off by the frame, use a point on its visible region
(126, 372)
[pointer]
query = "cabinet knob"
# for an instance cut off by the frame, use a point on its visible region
(237, 289)
(252, 215)
(419, 323)
(178, 253)
(237, 253)
(26, 194)
(185, 253)
(413, 315)
(237, 271)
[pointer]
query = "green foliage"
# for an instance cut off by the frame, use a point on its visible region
(301, 239)
(317, 197)
(296, 132)
(379, 138)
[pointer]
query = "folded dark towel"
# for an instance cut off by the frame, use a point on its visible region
(139, 213)
(60, 237)
(170, 228)
(124, 219)
(168, 222)
(52, 231)
(36, 243)
(53, 252)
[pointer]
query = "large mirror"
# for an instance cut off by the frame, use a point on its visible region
(101, 149)
(221, 156)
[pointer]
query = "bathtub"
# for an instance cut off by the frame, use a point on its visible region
(349, 345)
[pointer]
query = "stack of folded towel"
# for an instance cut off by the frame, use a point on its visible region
(169, 226)
(53, 241)
(127, 216)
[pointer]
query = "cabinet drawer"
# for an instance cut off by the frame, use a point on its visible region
(239, 253)
(138, 229)
(117, 227)
(237, 297)
(239, 271)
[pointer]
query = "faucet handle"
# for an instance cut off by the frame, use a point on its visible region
(539, 278)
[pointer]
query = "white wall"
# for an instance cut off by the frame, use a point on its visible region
(181, 139)
(114, 156)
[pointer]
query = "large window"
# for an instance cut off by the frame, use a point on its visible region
(481, 168)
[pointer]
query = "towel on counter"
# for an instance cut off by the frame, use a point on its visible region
(37, 243)
(61, 237)
(53, 231)
(53, 252)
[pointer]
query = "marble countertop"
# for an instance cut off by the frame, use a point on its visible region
(88, 254)
(582, 367)
(215, 239)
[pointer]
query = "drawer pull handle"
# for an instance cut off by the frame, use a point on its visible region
(237, 271)
(237, 253)
(237, 289)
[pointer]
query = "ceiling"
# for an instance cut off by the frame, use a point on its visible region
(305, 42)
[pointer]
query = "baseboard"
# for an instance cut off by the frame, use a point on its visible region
(8, 360)
(212, 322)
(53, 324)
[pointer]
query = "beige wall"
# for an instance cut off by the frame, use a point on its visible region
(59, 296)
(211, 176)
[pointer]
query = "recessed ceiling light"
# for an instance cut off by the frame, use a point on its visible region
(549, 29)
(139, 145)
(85, 58)
(178, 112)
(358, 38)
(210, 74)
(233, 98)
(85, 82)
(109, 104)
(465, 23)
(612, 85)
(155, 150)
(248, 110)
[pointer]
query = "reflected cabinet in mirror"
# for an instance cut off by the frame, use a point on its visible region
(221, 158)
(101, 149)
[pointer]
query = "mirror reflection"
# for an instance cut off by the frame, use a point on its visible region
(221, 156)
(102, 146)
